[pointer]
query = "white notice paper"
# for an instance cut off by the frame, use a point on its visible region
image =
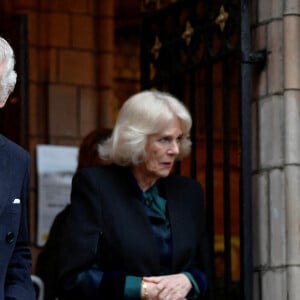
(56, 166)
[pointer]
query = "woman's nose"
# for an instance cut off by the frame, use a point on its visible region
(174, 147)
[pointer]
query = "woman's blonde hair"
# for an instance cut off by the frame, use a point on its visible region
(143, 114)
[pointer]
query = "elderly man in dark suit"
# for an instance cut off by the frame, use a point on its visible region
(15, 256)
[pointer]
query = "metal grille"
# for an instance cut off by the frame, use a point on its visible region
(192, 50)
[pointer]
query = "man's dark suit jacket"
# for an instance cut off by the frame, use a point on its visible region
(109, 234)
(15, 256)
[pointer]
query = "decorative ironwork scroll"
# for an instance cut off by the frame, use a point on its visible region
(186, 34)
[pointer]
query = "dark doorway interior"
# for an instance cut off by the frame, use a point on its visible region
(191, 49)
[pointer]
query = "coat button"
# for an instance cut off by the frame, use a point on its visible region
(10, 237)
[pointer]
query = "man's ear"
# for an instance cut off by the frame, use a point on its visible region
(2, 103)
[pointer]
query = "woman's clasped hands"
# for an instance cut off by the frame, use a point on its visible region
(167, 287)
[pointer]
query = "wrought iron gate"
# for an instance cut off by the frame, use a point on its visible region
(192, 48)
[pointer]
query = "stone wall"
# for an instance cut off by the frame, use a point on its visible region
(276, 150)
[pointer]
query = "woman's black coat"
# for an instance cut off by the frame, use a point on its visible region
(109, 236)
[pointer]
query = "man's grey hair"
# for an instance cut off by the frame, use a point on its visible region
(8, 76)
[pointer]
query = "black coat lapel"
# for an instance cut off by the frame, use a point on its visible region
(180, 202)
(4, 173)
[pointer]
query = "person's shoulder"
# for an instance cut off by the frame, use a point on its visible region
(13, 149)
(181, 187)
(103, 170)
(180, 180)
